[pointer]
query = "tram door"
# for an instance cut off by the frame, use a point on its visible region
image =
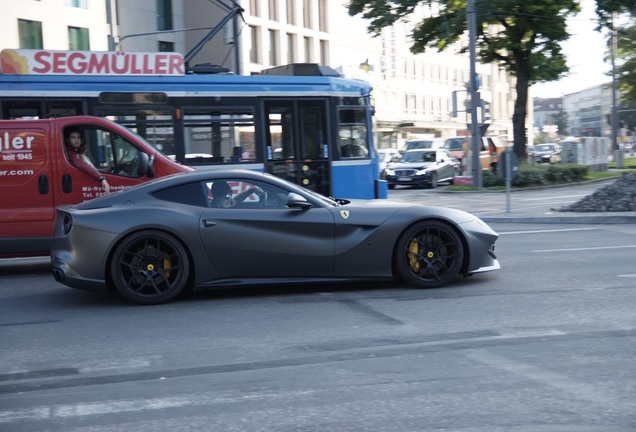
(297, 143)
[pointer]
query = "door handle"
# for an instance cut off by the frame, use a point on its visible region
(208, 223)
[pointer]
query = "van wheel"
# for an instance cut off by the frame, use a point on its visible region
(150, 267)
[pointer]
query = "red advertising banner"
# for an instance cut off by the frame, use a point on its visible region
(46, 62)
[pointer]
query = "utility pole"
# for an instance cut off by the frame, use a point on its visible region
(618, 153)
(475, 100)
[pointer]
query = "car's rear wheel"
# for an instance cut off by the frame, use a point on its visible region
(150, 267)
(429, 254)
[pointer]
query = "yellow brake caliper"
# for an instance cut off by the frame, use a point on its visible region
(413, 251)
(167, 265)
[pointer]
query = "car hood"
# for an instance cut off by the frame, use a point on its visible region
(411, 165)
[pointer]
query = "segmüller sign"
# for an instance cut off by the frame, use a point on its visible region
(47, 62)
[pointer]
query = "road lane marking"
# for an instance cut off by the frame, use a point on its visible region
(593, 248)
(558, 197)
(548, 378)
(546, 231)
(66, 411)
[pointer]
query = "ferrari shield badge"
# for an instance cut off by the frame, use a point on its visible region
(344, 214)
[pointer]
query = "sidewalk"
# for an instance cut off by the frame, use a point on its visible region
(547, 214)
(553, 217)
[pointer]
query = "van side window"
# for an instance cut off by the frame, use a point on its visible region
(110, 152)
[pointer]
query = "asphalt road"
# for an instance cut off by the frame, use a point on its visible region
(545, 344)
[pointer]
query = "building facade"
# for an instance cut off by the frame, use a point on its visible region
(589, 111)
(413, 93)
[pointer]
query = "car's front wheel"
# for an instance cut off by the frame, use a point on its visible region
(429, 254)
(433, 184)
(150, 267)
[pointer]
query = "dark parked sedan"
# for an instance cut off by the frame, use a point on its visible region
(209, 229)
(422, 168)
(546, 153)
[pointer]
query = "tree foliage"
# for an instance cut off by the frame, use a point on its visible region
(523, 37)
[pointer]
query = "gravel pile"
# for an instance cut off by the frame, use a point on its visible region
(619, 196)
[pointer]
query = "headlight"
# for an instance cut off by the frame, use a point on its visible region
(422, 172)
(389, 172)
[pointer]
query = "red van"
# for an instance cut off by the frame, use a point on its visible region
(36, 174)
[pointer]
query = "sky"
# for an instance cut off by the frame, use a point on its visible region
(584, 51)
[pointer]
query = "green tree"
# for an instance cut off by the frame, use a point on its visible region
(523, 37)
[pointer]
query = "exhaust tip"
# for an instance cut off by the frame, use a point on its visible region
(58, 275)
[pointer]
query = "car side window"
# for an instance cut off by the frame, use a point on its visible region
(189, 194)
(243, 194)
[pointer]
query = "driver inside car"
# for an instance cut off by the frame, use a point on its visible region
(222, 194)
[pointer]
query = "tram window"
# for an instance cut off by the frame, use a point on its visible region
(133, 98)
(155, 126)
(353, 134)
(219, 135)
(21, 109)
(35, 109)
(280, 127)
(313, 132)
(63, 108)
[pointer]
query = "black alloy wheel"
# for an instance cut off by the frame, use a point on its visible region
(150, 267)
(429, 254)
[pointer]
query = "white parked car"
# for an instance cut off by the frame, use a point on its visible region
(387, 155)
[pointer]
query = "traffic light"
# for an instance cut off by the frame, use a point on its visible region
(485, 111)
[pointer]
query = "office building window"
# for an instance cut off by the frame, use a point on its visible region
(165, 46)
(254, 9)
(322, 15)
(78, 39)
(273, 47)
(291, 48)
(273, 10)
(324, 52)
(291, 12)
(30, 33)
(164, 15)
(307, 13)
(255, 54)
(308, 49)
(79, 4)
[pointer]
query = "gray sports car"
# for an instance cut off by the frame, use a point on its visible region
(209, 229)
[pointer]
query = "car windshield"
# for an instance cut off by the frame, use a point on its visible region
(423, 156)
(544, 147)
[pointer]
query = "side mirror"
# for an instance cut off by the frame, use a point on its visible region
(142, 164)
(151, 166)
(297, 201)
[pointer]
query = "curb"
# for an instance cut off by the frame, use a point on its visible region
(578, 219)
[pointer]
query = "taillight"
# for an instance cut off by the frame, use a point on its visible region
(67, 224)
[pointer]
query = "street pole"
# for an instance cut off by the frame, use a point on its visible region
(471, 17)
(618, 154)
(112, 46)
